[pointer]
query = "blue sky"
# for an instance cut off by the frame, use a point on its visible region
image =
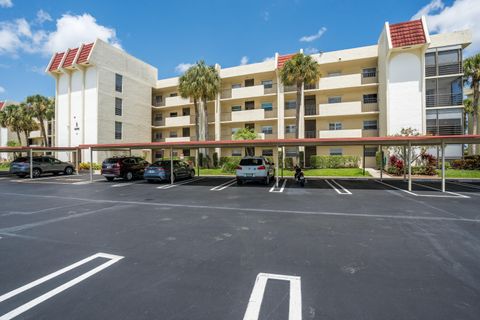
(168, 34)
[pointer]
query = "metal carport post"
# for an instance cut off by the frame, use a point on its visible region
(91, 164)
(171, 165)
(276, 168)
(30, 152)
(443, 166)
(409, 165)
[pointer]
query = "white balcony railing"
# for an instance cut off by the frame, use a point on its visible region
(246, 92)
(248, 115)
(260, 136)
(349, 133)
(177, 121)
(340, 109)
(176, 101)
(177, 139)
(342, 81)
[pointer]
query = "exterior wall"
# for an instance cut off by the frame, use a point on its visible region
(62, 116)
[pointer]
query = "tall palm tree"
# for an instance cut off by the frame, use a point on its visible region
(209, 89)
(26, 120)
(43, 109)
(471, 69)
(300, 70)
(188, 87)
(11, 118)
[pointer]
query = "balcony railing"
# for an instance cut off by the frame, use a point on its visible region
(445, 130)
(443, 69)
(444, 100)
(246, 92)
(310, 134)
(310, 110)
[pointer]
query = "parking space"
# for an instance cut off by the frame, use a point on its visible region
(208, 248)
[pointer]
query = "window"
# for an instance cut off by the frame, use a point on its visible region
(185, 132)
(290, 104)
(370, 125)
(249, 105)
(267, 129)
(334, 74)
(236, 108)
(118, 130)
(267, 106)
(250, 126)
(335, 126)
(173, 134)
(173, 114)
(236, 85)
(370, 98)
(236, 152)
(443, 92)
(291, 152)
(186, 111)
(118, 82)
(370, 151)
(369, 72)
(336, 151)
(267, 152)
(158, 154)
(158, 100)
(234, 130)
(118, 106)
(249, 82)
(174, 94)
(267, 84)
(291, 128)
(157, 136)
(336, 99)
(445, 122)
(186, 152)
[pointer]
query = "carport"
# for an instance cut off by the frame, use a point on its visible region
(400, 141)
(75, 151)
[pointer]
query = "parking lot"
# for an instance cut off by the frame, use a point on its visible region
(208, 248)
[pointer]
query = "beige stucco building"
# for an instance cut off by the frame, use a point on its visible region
(409, 79)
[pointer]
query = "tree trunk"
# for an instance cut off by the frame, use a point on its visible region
(297, 109)
(205, 110)
(475, 112)
(19, 137)
(26, 137)
(44, 133)
(197, 120)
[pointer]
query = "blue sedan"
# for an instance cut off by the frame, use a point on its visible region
(160, 171)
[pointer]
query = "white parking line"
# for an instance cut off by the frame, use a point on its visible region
(256, 297)
(224, 185)
(454, 195)
(32, 303)
(272, 189)
(437, 189)
(343, 191)
(168, 186)
(122, 184)
(464, 184)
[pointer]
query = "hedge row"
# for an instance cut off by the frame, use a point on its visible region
(468, 163)
(322, 162)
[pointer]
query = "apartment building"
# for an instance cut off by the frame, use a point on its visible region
(409, 79)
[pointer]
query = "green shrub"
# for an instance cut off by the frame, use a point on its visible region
(86, 166)
(5, 164)
(322, 162)
(288, 163)
(301, 156)
(378, 159)
(469, 163)
(229, 164)
(215, 160)
(200, 159)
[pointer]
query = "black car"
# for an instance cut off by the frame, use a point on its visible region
(127, 168)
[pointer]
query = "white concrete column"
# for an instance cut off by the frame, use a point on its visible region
(443, 166)
(280, 109)
(218, 112)
(409, 166)
(301, 128)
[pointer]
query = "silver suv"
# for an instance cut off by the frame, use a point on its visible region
(255, 169)
(45, 164)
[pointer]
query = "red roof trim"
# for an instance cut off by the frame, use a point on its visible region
(68, 62)
(407, 33)
(57, 59)
(283, 59)
(84, 53)
(1, 105)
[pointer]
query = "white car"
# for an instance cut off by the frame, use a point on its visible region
(255, 169)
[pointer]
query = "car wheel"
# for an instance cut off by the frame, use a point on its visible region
(68, 170)
(36, 172)
(129, 176)
(109, 178)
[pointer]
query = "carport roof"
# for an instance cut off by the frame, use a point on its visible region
(45, 149)
(384, 141)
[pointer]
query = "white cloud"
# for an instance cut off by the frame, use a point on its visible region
(311, 50)
(244, 60)
(267, 59)
(182, 67)
(39, 70)
(43, 16)
(315, 36)
(74, 30)
(2, 89)
(71, 31)
(6, 3)
(461, 15)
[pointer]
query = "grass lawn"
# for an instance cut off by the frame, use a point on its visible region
(342, 172)
(4, 168)
(455, 173)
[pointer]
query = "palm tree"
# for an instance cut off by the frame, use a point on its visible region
(43, 110)
(188, 87)
(300, 70)
(11, 118)
(26, 122)
(471, 69)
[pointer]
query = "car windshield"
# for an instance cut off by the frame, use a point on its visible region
(111, 160)
(21, 159)
(251, 162)
(163, 163)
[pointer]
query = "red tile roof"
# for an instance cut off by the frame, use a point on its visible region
(1, 105)
(283, 59)
(71, 53)
(57, 58)
(84, 53)
(407, 33)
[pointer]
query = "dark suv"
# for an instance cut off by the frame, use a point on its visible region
(127, 168)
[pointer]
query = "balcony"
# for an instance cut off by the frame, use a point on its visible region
(444, 100)
(349, 133)
(177, 139)
(340, 109)
(310, 110)
(245, 115)
(309, 134)
(173, 101)
(247, 92)
(178, 121)
(443, 69)
(35, 134)
(260, 136)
